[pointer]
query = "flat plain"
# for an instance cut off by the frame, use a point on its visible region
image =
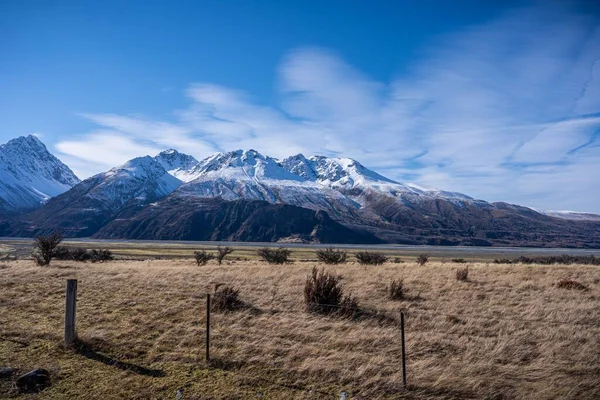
(508, 332)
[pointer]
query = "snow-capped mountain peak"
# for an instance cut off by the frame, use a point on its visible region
(142, 178)
(244, 165)
(178, 164)
(30, 174)
(247, 174)
(349, 175)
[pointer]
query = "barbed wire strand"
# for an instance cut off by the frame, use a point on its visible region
(408, 311)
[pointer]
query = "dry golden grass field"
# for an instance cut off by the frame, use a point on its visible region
(509, 332)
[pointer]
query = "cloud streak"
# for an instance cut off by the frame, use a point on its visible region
(505, 111)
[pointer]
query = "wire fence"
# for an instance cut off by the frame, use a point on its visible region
(408, 312)
(393, 318)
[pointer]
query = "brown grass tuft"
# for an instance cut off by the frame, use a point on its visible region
(395, 290)
(571, 284)
(462, 274)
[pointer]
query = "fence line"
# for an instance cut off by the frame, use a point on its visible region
(70, 331)
(409, 311)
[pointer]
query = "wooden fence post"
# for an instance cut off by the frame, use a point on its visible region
(403, 349)
(207, 327)
(71, 305)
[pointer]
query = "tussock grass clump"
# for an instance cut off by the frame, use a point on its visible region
(462, 274)
(226, 298)
(274, 256)
(331, 256)
(370, 258)
(571, 284)
(349, 307)
(323, 292)
(422, 259)
(395, 290)
(202, 257)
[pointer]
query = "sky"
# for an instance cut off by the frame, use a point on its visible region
(499, 100)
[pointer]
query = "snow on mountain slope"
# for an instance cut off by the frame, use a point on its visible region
(252, 176)
(345, 174)
(142, 178)
(570, 215)
(30, 175)
(180, 165)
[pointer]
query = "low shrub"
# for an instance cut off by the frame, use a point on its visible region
(571, 284)
(370, 258)
(83, 255)
(101, 255)
(226, 298)
(72, 253)
(398, 260)
(202, 257)
(459, 260)
(549, 260)
(462, 274)
(395, 290)
(323, 292)
(331, 256)
(274, 256)
(422, 259)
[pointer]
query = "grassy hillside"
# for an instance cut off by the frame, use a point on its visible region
(509, 332)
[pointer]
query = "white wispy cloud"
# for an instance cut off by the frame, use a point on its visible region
(505, 111)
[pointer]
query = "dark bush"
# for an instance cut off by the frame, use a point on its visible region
(398, 260)
(101, 255)
(571, 284)
(331, 256)
(222, 252)
(370, 257)
(549, 260)
(422, 259)
(459, 260)
(72, 253)
(395, 290)
(323, 292)
(202, 257)
(274, 256)
(462, 274)
(45, 246)
(226, 298)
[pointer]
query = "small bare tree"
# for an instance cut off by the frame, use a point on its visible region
(45, 246)
(222, 252)
(422, 259)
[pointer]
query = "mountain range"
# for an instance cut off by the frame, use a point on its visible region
(243, 195)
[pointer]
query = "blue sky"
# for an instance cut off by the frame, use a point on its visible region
(498, 100)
